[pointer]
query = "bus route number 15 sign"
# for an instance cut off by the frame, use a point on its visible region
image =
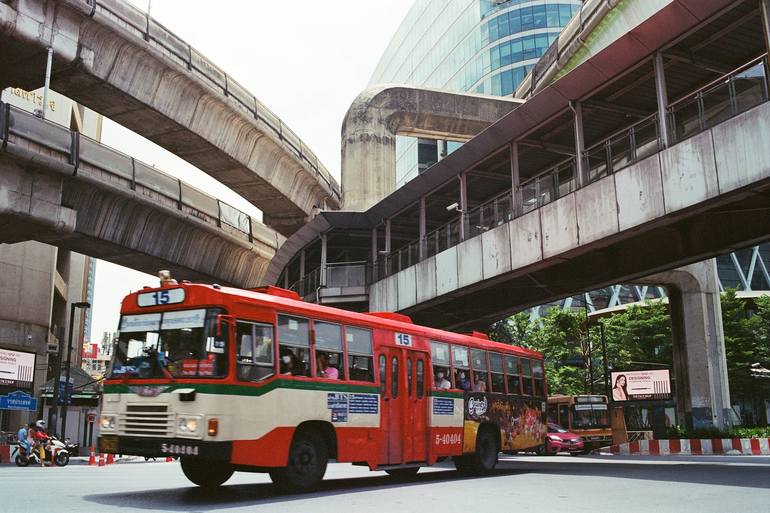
(403, 339)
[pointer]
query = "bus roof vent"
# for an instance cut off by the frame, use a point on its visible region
(277, 291)
(392, 316)
(477, 334)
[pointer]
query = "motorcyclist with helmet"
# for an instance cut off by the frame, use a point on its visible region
(42, 440)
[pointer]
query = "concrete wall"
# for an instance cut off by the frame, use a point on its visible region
(672, 183)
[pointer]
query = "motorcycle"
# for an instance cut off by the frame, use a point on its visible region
(60, 450)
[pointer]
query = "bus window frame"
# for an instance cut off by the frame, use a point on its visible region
(473, 369)
(342, 376)
(374, 370)
(517, 374)
(309, 347)
(237, 345)
(489, 367)
(432, 364)
(452, 361)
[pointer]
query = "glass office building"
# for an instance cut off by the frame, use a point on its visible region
(477, 46)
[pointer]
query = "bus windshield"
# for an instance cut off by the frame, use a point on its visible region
(181, 344)
(586, 416)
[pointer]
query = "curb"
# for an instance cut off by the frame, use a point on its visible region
(695, 447)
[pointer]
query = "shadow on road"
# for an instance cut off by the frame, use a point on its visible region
(182, 499)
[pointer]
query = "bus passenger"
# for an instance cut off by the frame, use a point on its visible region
(287, 362)
(480, 385)
(440, 378)
(324, 369)
(461, 380)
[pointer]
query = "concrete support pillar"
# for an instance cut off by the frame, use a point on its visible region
(662, 96)
(580, 177)
(322, 280)
(515, 180)
(463, 203)
(764, 8)
(423, 228)
(375, 258)
(442, 150)
(700, 367)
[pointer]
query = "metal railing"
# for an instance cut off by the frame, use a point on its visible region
(126, 172)
(138, 22)
(728, 96)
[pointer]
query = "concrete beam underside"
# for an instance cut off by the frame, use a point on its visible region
(107, 68)
(36, 204)
(381, 113)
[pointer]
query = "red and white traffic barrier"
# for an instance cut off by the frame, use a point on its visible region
(694, 447)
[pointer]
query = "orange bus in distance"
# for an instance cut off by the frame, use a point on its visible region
(260, 381)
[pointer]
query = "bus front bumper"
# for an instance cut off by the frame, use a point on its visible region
(163, 447)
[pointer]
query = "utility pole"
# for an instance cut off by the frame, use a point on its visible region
(73, 306)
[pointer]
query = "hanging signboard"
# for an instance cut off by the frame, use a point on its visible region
(17, 368)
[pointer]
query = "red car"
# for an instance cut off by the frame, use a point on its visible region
(561, 440)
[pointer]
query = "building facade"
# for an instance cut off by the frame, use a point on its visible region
(476, 46)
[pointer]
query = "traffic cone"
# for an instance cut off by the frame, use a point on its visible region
(169, 458)
(101, 459)
(110, 459)
(92, 458)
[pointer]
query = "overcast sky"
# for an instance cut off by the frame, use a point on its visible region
(305, 59)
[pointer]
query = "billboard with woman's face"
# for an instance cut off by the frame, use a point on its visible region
(641, 385)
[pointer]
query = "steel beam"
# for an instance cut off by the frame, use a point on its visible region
(662, 97)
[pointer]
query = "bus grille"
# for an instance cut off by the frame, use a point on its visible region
(146, 420)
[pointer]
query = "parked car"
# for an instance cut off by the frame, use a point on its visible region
(561, 440)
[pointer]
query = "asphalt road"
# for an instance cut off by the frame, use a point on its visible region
(522, 483)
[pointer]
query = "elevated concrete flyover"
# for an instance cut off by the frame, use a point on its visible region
(114, 59)
(641, 148)
(381, 113)
(61, 188)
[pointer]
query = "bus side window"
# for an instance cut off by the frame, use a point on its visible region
(526, 377)
(328, 350)
(479, 361)
(553, 414)
(441, 365)
(420, 378)
(409, 376)
(383, 374)
(564, 420)
(294, 345)
(358, 342)
(255, 351)
(537, 375)
(461, 365)
(512, 375)
(496, 371)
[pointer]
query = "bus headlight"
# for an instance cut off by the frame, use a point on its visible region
(187, 425)
(107, 422)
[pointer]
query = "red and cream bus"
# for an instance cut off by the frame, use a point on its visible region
(260, 381)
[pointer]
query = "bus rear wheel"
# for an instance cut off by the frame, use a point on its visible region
(206, 474)
(307, 464)
(484, 459)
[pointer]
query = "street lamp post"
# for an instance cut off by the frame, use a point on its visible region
(69, 365)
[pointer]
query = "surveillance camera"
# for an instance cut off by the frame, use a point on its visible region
(453, 206)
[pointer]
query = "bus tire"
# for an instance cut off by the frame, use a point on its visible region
(308, 457)
(402, 473)
(484, 459)
(204, 473)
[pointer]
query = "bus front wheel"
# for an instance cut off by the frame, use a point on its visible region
(206, 474)
(307, 463)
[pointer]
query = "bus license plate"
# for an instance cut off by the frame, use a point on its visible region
(181, 450)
